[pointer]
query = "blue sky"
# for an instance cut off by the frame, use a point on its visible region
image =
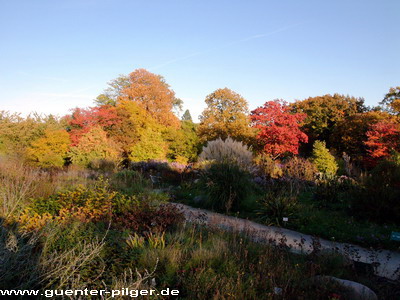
(56, 55)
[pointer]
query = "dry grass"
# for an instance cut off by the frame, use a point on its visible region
(20, 182)
(227, 151)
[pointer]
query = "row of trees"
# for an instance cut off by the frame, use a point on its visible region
(134, 120)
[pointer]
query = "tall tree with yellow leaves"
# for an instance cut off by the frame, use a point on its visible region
(226, 115)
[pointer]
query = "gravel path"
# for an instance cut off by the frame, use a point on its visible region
(386, 263)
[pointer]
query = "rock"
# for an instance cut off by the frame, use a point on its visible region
(356, 290)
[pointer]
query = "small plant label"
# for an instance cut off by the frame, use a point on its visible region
(395, 236)
(285, 219)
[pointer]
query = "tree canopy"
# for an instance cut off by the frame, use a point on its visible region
(323, 112)
(323, 159)
(383, 138)
(226, 115)
(391, 101)
(349, 135)
(278, 129)
(51, 149)
(187, 116)
(146, 88)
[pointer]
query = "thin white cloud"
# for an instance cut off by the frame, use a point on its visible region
(253, 37)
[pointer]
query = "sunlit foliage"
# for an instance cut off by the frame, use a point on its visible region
(278, 129)
(226, 115)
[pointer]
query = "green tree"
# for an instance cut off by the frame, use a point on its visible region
(323, 159)
(150, 146)
(184, 144)
(323, 112)
(187, 116)
(114, 91)
(51, 149)
(226, 115)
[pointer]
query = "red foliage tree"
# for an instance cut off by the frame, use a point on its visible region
(82, 120)
(279, 130)
(383, 138)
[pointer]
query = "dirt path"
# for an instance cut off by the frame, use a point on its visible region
(387, 262)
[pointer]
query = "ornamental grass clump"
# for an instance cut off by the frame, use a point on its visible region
(227, 151)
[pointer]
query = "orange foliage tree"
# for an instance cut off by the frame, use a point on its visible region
(154, 94)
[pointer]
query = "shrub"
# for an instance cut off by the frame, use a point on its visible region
(323, 160)
(169, 173)
(300, 168)
(227, 186)
(268, 166)
(82, 203)
(102, 165)
(227, 151)
(278, 201)
(149, 217)
(331, 192)
(379, 198)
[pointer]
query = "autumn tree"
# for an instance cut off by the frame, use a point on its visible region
(150, 146)
(17, 133)
(323, 159)
(51, 149)
(226, 115)
(184, 144)
(278, 129)
(82, 120)
(113, 92)
(92, 146)
(391, 101)
(323, 112)
(148, 89)
(383, 138)
(349, 134)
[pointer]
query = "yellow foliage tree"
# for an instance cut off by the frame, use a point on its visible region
(226, 115)
(146, 133)
(94, 145)
(50, 150)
